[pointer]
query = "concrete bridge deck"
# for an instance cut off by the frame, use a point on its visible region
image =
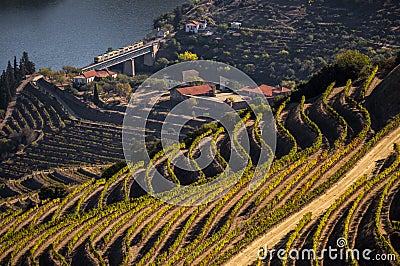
(149, 52)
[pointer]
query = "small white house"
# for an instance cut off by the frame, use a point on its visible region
(194, 26)
(81, 80)
(162, 33)
(236, 25)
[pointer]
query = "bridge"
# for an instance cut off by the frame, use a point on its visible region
(127, 60)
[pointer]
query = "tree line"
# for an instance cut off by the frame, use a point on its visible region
(12, 77)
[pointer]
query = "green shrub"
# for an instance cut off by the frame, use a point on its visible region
(52, 192)
(350, 64)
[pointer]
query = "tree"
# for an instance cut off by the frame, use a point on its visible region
(157, 83)
(350, 64)
(7, 87)
(96, 99)
(223, 27)
(46, 72)
(188, 56)
(110, 49)
(4, 94)
(249, 69)
(27, 65)
(52, 192)
(353, 63)
(125, 90)
(11, 78)
(288, 84)
(17, 73)
(71, 71)
(161, 63)
(59, 77)
(178, 17)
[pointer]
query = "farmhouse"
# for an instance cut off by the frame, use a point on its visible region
(92, 75)
(181, 94)
(269, 92)
(212, 94)
(194, 26)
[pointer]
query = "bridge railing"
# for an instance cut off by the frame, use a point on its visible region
(120, 58)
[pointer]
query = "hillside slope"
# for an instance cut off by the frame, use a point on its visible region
(384, 102)
(110, 222)
(281, 41)
(320, 204)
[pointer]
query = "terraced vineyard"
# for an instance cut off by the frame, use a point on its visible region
(326, 153)
(63, 139)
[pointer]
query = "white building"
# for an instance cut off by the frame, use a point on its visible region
(195, 26)
(236, 25)
(162, 33)
(93, 75)
(81, 80)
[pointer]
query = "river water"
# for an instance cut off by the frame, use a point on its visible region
(71, 32)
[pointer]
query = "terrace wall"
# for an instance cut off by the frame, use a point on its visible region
(78, 107)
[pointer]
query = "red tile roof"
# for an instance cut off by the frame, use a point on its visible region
(195, 90)
(104, 73)
(89, 74)
(194, 23)
(98, 73)
(268, 91)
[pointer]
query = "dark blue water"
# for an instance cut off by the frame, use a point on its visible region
(71, 32)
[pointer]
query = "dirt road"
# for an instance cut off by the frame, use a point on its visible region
(365, 165)
(12, 103)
